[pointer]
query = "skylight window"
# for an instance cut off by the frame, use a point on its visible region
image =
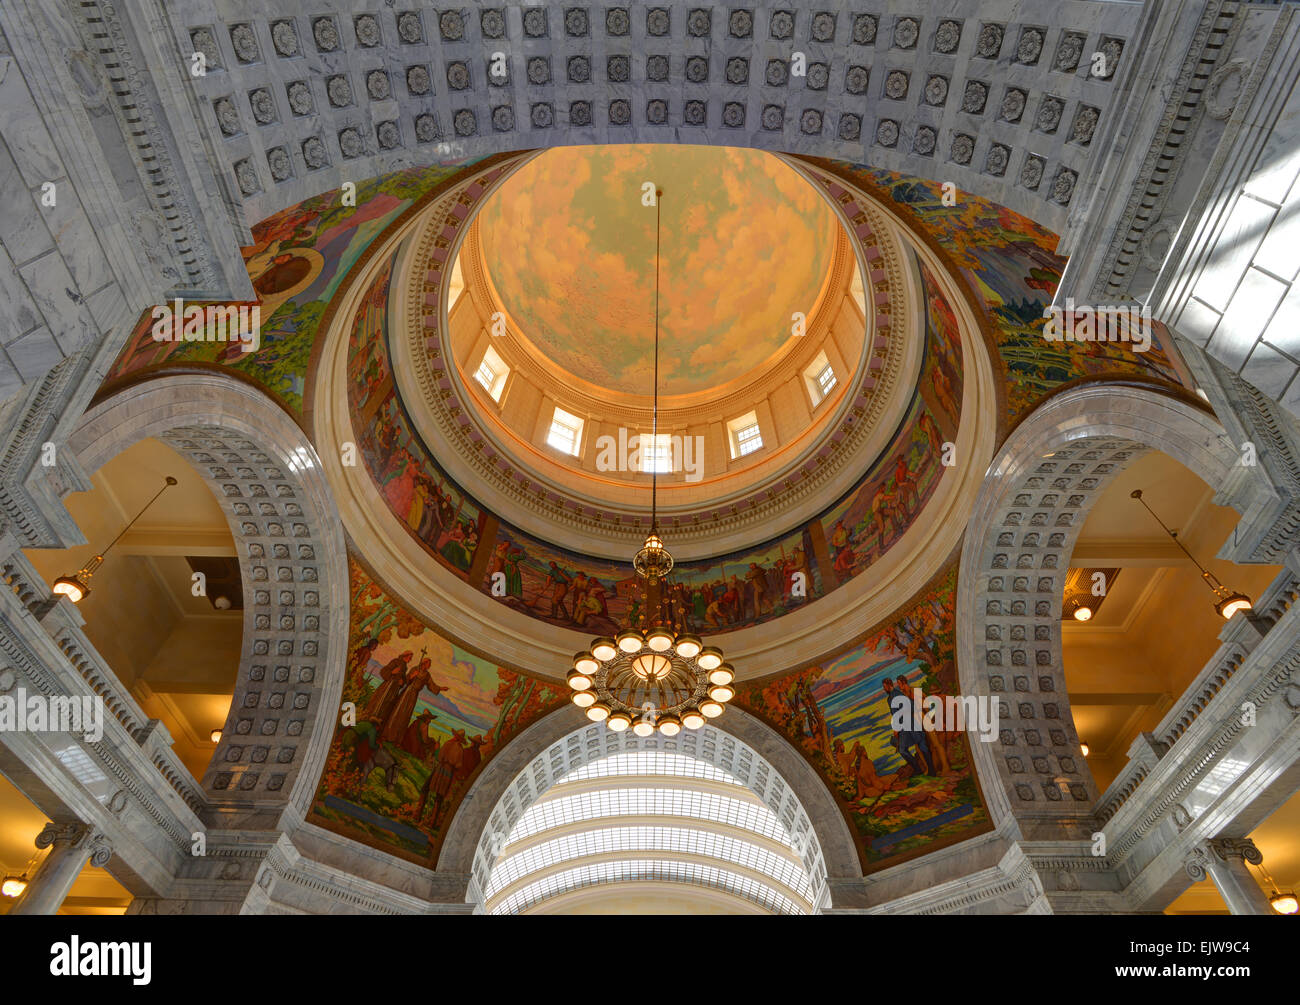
(565, 433)
(648, 815)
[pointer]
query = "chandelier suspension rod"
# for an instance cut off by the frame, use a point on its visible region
(654, 415)
(1211, 580)
(166, 485)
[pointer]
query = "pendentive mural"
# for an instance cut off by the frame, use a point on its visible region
(298, 259)
(1009, 264)
(427, 716)
(903, 792)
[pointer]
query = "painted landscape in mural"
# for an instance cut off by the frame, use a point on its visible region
(1011, 265)
(428, 716)
(901, 791)
(296, 262)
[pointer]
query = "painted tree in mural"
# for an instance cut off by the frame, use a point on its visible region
(375, 620)
(425, 716)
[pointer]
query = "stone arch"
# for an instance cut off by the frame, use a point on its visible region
(266, 476)
(1037, 493)
(298, 100)
(562, 741)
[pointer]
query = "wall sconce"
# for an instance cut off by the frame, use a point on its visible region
(1230, 602)
(77, 586)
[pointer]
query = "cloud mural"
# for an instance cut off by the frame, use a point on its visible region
(571, 251)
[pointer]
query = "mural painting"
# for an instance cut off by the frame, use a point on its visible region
(732, 591)
(902, 792)
(446, 522)
(572, 255)
(296, 262)
(429, 715)
(1011, 266)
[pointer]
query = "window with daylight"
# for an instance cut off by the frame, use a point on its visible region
(745, 435)
(656, 453)
(566, 432)
(819, 378)
(492, 373)
(858, 292)
(456, 286)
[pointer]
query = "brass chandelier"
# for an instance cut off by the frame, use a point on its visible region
(655, 675)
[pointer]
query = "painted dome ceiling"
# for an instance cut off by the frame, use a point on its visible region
(570, 251)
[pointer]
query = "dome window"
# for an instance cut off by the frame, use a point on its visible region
(746, 437)
(820, 379)
(565, 433)
(492, 373)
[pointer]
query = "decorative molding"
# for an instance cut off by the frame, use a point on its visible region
(844, 447)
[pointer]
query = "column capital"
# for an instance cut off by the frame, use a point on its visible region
(1197, 863)
(1229, 849)
(77, 835)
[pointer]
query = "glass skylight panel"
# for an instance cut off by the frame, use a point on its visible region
(692, 873)
(693, 836)
(651, 762)
(645, 839)
(581, 807)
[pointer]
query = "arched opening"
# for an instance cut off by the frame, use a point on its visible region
(1152, 625)
(1015, 564)
(166, 608)
(604, 822)
(265, 476)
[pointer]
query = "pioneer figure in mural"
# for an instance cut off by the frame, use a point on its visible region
(559, 581)
(393, 676)
(911, 744)
(451, 755)
(417, 740)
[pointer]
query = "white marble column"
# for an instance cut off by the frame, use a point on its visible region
(74, 845)
(1224, 861)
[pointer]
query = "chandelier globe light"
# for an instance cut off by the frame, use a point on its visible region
(76, 587)
(656, 675)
